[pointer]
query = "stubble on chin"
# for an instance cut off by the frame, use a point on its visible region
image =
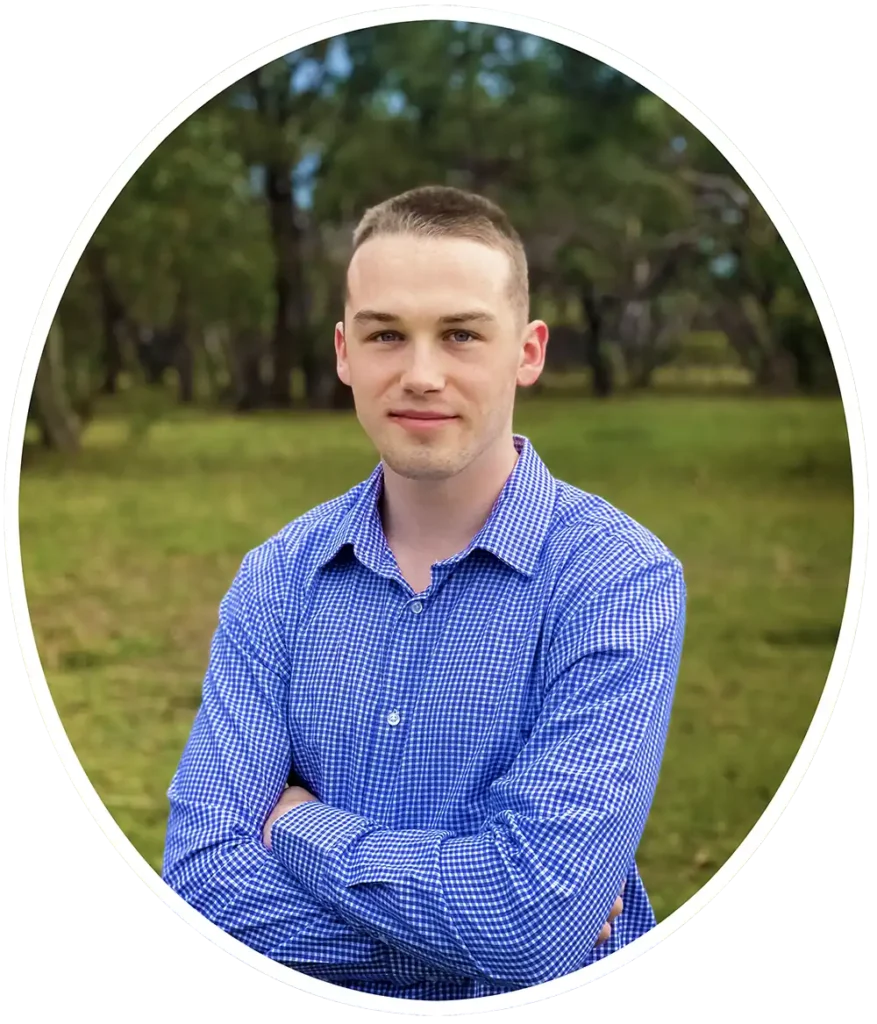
(422, 465)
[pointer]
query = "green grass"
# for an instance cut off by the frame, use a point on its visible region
(128, 548)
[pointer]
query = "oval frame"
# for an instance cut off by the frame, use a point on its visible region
(802, 766)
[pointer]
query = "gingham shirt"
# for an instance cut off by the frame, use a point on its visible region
(484, 752)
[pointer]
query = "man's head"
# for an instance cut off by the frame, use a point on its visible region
(435, 324)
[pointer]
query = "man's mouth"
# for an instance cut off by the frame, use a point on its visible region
(419, 419)
(419, 414)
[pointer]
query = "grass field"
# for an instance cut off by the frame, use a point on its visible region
(129, 547)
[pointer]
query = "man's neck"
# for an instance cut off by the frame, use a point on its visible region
(431, 520)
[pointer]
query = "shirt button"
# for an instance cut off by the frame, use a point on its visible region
(417, 607)
(394, 718)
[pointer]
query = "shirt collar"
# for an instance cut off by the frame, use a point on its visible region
(514, 532)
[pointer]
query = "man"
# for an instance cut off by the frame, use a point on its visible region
(465, 665)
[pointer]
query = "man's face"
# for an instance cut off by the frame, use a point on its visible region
(433, 348)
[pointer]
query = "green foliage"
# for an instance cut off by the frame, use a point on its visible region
(705, 348)
(239, 223)
(188, 221)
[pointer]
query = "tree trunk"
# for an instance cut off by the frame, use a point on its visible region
(740, 332)
(59, 424)
(290, 323)
(113, 316)
(775, 369)
(184, 364)
(245, 367)
(595, 357)
(776, 375)
(637, 339)
(794, 343)
(151, 355)
(213, 353)
(642, 378)
(182, 355)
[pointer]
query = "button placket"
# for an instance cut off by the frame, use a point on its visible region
(392, 715)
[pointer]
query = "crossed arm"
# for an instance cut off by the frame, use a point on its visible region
(234, 764)
(520, 901)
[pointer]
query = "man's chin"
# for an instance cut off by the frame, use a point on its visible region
(423, 463)
(421, 469)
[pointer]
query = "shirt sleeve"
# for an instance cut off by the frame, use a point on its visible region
(523, 900)
(233, 768)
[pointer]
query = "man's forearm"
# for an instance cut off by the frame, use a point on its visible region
(247, 892)
(237, 756)
(455, 902)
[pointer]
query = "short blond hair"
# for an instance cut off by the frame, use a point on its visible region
(441, 211)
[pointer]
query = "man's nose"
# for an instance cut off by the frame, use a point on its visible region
(423, 369)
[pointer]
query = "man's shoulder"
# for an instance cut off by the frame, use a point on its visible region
(301, 543)
(592, 543)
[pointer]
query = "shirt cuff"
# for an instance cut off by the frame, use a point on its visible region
(309, 841)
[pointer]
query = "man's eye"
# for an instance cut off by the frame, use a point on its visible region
(462, 336)
(385, 336)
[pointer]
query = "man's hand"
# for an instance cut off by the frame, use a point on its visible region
(606, 930)
(291, 797)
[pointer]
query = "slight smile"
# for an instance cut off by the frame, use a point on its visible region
(418, 420)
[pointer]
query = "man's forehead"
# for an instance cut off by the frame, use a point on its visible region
(428, 258)
(428, 280)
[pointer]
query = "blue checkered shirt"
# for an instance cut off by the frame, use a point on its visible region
(484, 752)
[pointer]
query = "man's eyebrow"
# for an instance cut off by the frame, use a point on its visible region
(369, 315)
(467, 317)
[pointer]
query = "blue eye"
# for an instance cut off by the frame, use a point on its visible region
(468, 335)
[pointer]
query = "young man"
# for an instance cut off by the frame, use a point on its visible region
(466, 664)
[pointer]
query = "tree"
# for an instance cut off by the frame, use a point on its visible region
(183, 248)
(53, 412)
(222, 261)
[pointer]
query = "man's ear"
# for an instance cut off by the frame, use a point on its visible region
(341, 364)
(533, 353)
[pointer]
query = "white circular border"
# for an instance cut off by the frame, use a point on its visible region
(47, 708)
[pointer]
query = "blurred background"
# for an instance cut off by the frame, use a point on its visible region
(186, 405)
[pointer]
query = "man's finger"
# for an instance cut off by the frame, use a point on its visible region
(617, 907)
(605, 932)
